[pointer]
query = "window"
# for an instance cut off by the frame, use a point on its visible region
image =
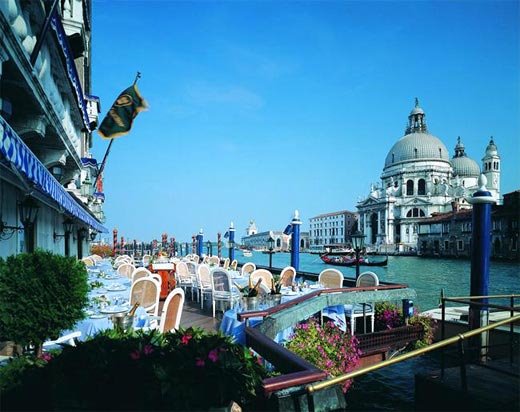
(446, 245)
(460, 245)
(393, 158)
(409, 187)
(415, 212)
(421, 188)
(415, 152)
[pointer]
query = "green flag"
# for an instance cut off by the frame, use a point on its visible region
(119, 118)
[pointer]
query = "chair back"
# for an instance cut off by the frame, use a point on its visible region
(206, 259)
(214, 260)
(146, 291)
(146, 260)
(226, 263)
(182, 272)
(96, 258)
(157, 277)
(195, 258)
(265, 275)
(203, 276)
(172, 311)
(139, 273)
(126, 269)
(234, 264)
(88, 261)
(367, 279)
(248, 268)
(331, 278)
(220, 281)
(287, 276)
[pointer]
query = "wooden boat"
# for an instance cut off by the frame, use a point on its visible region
(347, 261)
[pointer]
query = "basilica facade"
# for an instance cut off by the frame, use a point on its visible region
(419, 179)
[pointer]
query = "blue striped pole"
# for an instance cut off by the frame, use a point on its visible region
(200, 240)
(480, 250)
(231, 242)
(295, 240)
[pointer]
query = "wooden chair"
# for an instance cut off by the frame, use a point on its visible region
(139, 273)
(331, 278)
(247, 269)
(287, 276)
(172, 311)
(146, 291)
(214, 260)
(126, 269)
(265, 275)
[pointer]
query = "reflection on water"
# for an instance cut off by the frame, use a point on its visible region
(427, 276)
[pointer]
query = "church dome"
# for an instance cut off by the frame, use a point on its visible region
(465, 166)
(417, 146)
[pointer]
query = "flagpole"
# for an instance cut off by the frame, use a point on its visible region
(102, 167)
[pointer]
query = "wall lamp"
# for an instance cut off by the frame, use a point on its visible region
(68, 226)
(93, 235)
(28, 213)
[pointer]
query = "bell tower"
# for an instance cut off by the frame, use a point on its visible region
(491, 168)
(416, 122)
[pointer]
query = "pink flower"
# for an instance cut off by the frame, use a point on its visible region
(199, 362)
(213, 355)
(186, 339)
(259, 361)
(135, 355)
(148, 349)
(46, 356)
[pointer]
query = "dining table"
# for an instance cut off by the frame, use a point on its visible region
(109, 295)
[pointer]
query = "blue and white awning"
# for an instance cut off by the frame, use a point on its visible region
(21, 157)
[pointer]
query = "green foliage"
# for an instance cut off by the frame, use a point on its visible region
(426, 322)
(186, 370)
(12, 373)
(327, 347)
(42, 295)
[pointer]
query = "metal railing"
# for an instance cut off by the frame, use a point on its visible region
(460, 338)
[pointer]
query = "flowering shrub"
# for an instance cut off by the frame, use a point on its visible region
(388, 316)
(102, 250)
(327, 347)
(186, 370)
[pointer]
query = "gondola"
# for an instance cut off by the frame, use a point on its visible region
(344, 261)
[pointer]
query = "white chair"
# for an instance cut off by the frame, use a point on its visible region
(366, 279)
(146, 260)
(172, 311)
(192, 269)
(331, 279)
(126, 270)
(265, 275)
(214, 260)
(203, 283)
(233, 265)
(184, 279)
(222, 288)
(146, 291)
(65, 340)
(88, 261)
(226, 263)
(95, 258)
(287, 276)
(195, 258)
(139, 273)
(247, 269)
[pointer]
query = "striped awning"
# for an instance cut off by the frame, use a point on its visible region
(26, 163)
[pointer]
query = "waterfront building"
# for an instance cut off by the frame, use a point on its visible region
(418, 180)
(331, 230)
(255, 240)
(449, 234)
(47, 115)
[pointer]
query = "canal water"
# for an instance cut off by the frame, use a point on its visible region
(426, 275)
(392, 388)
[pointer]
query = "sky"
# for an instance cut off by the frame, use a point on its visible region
(258, 109)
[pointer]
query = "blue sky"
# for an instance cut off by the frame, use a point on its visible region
(261, 108)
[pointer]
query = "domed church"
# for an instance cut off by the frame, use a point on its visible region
(419, 178)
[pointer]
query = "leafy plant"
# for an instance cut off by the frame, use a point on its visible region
(387, 316)
(426, 322)
(42, 295)
(102, 250)
(186, 370)
(327, 347)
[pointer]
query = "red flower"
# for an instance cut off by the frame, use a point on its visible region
(186, 339)
(199, 362)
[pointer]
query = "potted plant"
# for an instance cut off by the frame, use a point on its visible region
(42, 295)
(327, 347)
